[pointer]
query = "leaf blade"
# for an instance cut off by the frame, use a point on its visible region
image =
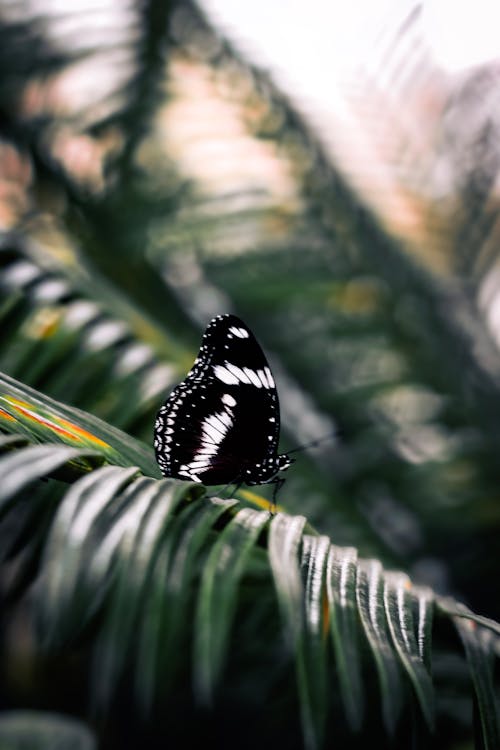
(479, 649)
(344, 629)
(65, 549)
(131, 553)
(398, 608)
(311, 656)
(369, 596)
(27, 464)
(168, 590)
(285, 533)
(217, 597)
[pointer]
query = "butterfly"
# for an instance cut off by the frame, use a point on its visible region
(221, 425)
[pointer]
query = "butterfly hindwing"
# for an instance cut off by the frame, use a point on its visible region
(221, 424)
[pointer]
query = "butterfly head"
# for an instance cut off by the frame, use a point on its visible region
(266, 472)
(284, 461)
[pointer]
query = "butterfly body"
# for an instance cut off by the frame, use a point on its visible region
(221, 425)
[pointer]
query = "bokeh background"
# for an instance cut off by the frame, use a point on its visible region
(328, 173)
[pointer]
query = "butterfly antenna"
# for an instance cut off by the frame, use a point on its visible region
(329, 436)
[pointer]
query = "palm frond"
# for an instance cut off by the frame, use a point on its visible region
(480, 649)
(217, 598)
(341, 575)
(128, 560)
(68, 335)
(40, 418)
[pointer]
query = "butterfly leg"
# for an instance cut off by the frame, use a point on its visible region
(237, 484)
(278, 483)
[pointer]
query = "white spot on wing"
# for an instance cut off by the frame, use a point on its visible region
(269, 376)
(213, 431)
(216, 422)
(206, 450)
(225, 418)
(240, 332)
(228, 400)
(209, 431)
(184, 470)
(253, 377)
(225, 375)
(238, 373)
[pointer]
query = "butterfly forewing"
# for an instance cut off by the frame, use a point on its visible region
(221, 424)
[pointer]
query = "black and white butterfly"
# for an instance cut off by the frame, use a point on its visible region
(221, 425)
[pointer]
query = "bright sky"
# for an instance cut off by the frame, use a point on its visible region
(312, 50)
(308, 46)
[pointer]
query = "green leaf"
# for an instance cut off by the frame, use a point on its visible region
(10, 441)
(26, 465)
(370, 599)
(83, 342)
(451, 607)
(302, 612)
(128, 541)
(285, 534)
(42, 419)
(479, 645)
(217, 597)
(312, 652)
(168, 594)
(70, 545)
(424, 602)
(399, 611)
(345, 629)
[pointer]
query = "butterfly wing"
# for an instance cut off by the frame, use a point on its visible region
(221, 424)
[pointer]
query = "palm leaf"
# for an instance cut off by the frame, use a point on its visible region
(123, 551)
(67, 335)
(40, 418)
(345, 629)
(163, 623)
(218, 596)
(312, 652)
(399, 613)
(20, 469)
(479, 645)
(370, 599)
